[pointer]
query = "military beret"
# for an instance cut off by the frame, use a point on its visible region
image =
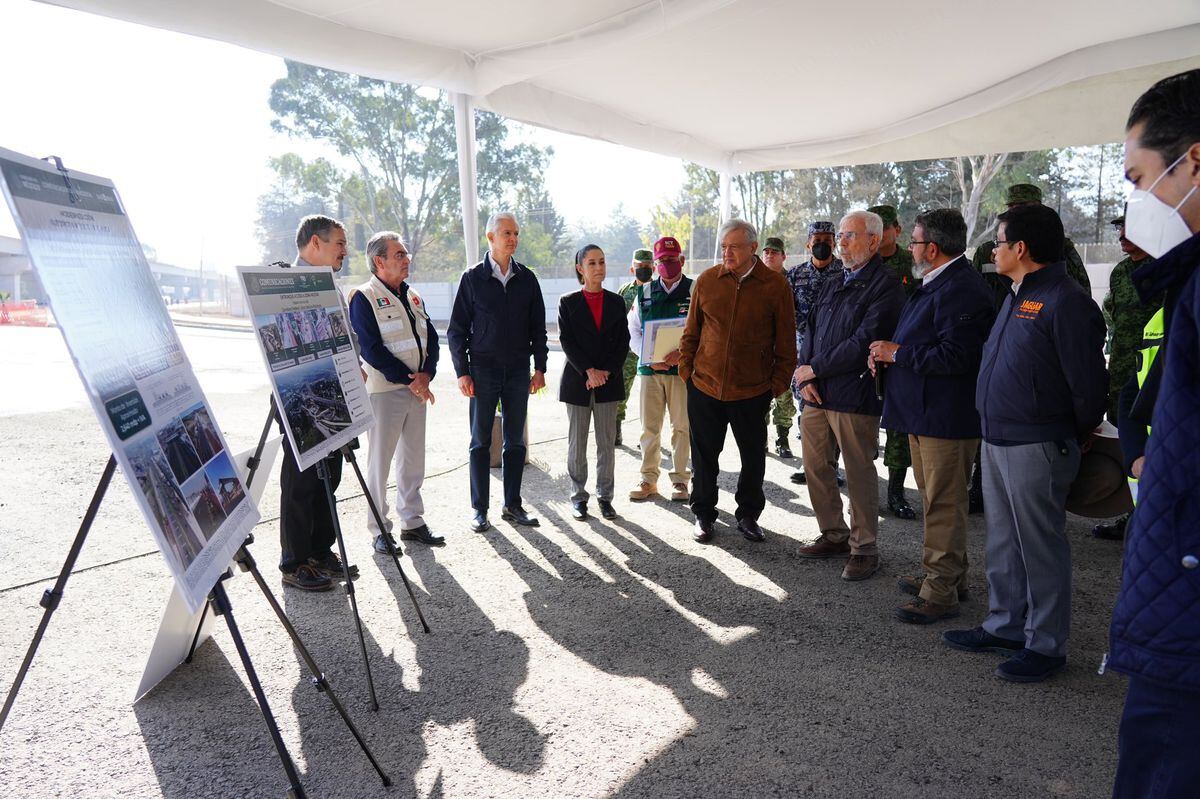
(774, 243)
(820, 227)
(1023, 193)
(643, 256)
(887, 213)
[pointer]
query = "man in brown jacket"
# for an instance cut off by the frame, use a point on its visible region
(738, 351)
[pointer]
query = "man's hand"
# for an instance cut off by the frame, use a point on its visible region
(803, 374)
(596, 378)
(1136, 468)
(672, 358)
(660, 366)
(809, 394)
(537, 382)
(466, 385)
(882, 352)
(420, 387)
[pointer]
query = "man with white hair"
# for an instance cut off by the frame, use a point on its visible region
(841, 407)
(498, 323)
(399, 347)
(737, 353)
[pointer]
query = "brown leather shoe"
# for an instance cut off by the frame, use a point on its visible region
(921, 611)
(824, 548)
(912, 585)
(643, 492)
(679, 492)
(860, 567)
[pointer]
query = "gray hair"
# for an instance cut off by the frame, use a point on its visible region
(873, 221)
(494, 220)
(738, 224)
(378, 246)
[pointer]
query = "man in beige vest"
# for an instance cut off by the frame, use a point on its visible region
(399, 349)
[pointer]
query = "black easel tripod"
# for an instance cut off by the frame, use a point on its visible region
(218, 598)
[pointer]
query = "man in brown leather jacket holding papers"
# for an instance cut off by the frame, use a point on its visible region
(738, 351)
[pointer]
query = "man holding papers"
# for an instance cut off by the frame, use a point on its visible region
(737, 353)
(656, 320)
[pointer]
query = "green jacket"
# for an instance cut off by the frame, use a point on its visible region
(654, 303)
(901, 262)
(1126, 318)
(628, 292)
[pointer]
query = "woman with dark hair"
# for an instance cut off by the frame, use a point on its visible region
(594, 336)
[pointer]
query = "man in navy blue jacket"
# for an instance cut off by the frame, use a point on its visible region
(1042, 390)
(933, 361)
(1156, 621)
(497, 324)
(841, 408)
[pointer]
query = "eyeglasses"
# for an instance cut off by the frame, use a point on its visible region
(998, 242)
(848, 235)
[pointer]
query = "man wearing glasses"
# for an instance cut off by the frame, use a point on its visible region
(932, 362)
(1041, 392)
(841, 407)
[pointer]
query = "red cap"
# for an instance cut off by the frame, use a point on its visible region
(667, 247)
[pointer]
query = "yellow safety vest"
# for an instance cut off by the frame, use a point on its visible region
(1152, 336)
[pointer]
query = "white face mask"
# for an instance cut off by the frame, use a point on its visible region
(1152, 224)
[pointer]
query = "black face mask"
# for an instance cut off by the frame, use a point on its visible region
(643, 273)
(821, 251)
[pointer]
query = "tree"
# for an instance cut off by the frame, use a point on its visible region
(974, 174)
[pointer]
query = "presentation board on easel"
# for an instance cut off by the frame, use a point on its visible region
(140, 383)
(304, 336)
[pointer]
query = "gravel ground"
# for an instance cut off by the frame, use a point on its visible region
(580, 659)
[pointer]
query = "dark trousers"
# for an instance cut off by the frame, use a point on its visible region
(1157, 743)
(305, 524)
(708, 419)
(510, 388)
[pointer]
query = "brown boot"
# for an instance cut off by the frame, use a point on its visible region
(912, 585)
(643, 492)
(679, 492)
(824, 548)
(921, 611)
(860, 567)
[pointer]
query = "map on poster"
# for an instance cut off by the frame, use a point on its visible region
(304, 336)
(134, 371)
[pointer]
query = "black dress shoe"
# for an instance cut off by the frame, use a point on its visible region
(606, 509)
(479, 522)
(579, 510)
(423, 535)
(704, 531)
(750, 530)
(519, 516)
(799, 478)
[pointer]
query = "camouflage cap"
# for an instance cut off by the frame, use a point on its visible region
(1022, 193)
(774, 243)
(643, 256)
(887, 213)
(820, 227)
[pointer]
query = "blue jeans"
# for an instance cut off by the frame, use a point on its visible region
(1157, 743)
(510, 388)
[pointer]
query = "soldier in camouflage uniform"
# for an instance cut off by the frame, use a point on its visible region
(1126, 318)
(783, 408)
(806, 280)
(896, 456)
(642, 270)
(1017, 194)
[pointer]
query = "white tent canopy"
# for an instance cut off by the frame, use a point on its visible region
(741, 85)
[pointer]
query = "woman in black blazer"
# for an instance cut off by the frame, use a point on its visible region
(594, 335)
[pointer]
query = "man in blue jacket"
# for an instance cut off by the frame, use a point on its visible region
(841, 408)
(1156, 621)
(932, 363)
(497, 324)
(1041, 392)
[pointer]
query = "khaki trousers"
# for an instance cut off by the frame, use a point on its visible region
(659, 394)
(822, 433)
(942, 467)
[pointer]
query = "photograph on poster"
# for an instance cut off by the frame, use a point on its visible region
(200, 430)
(181, 452)
(271, 338)
(323, 328)
(304, 324)
(337, 324)
(204, 502)
(286, 332)
(313, 402)
(165, 500)
(223, 477)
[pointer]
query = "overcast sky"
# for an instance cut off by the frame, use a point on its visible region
(181, 125)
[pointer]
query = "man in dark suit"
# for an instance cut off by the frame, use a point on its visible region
(595, 338)
(497, 324)
(931, 366)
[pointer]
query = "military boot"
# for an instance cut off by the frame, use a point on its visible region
(781, 442)
(896, 502)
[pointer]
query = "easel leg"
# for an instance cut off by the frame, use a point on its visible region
(221, 607)
(246, 561)
(53, 596)
(348, 453)
(323, 473)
